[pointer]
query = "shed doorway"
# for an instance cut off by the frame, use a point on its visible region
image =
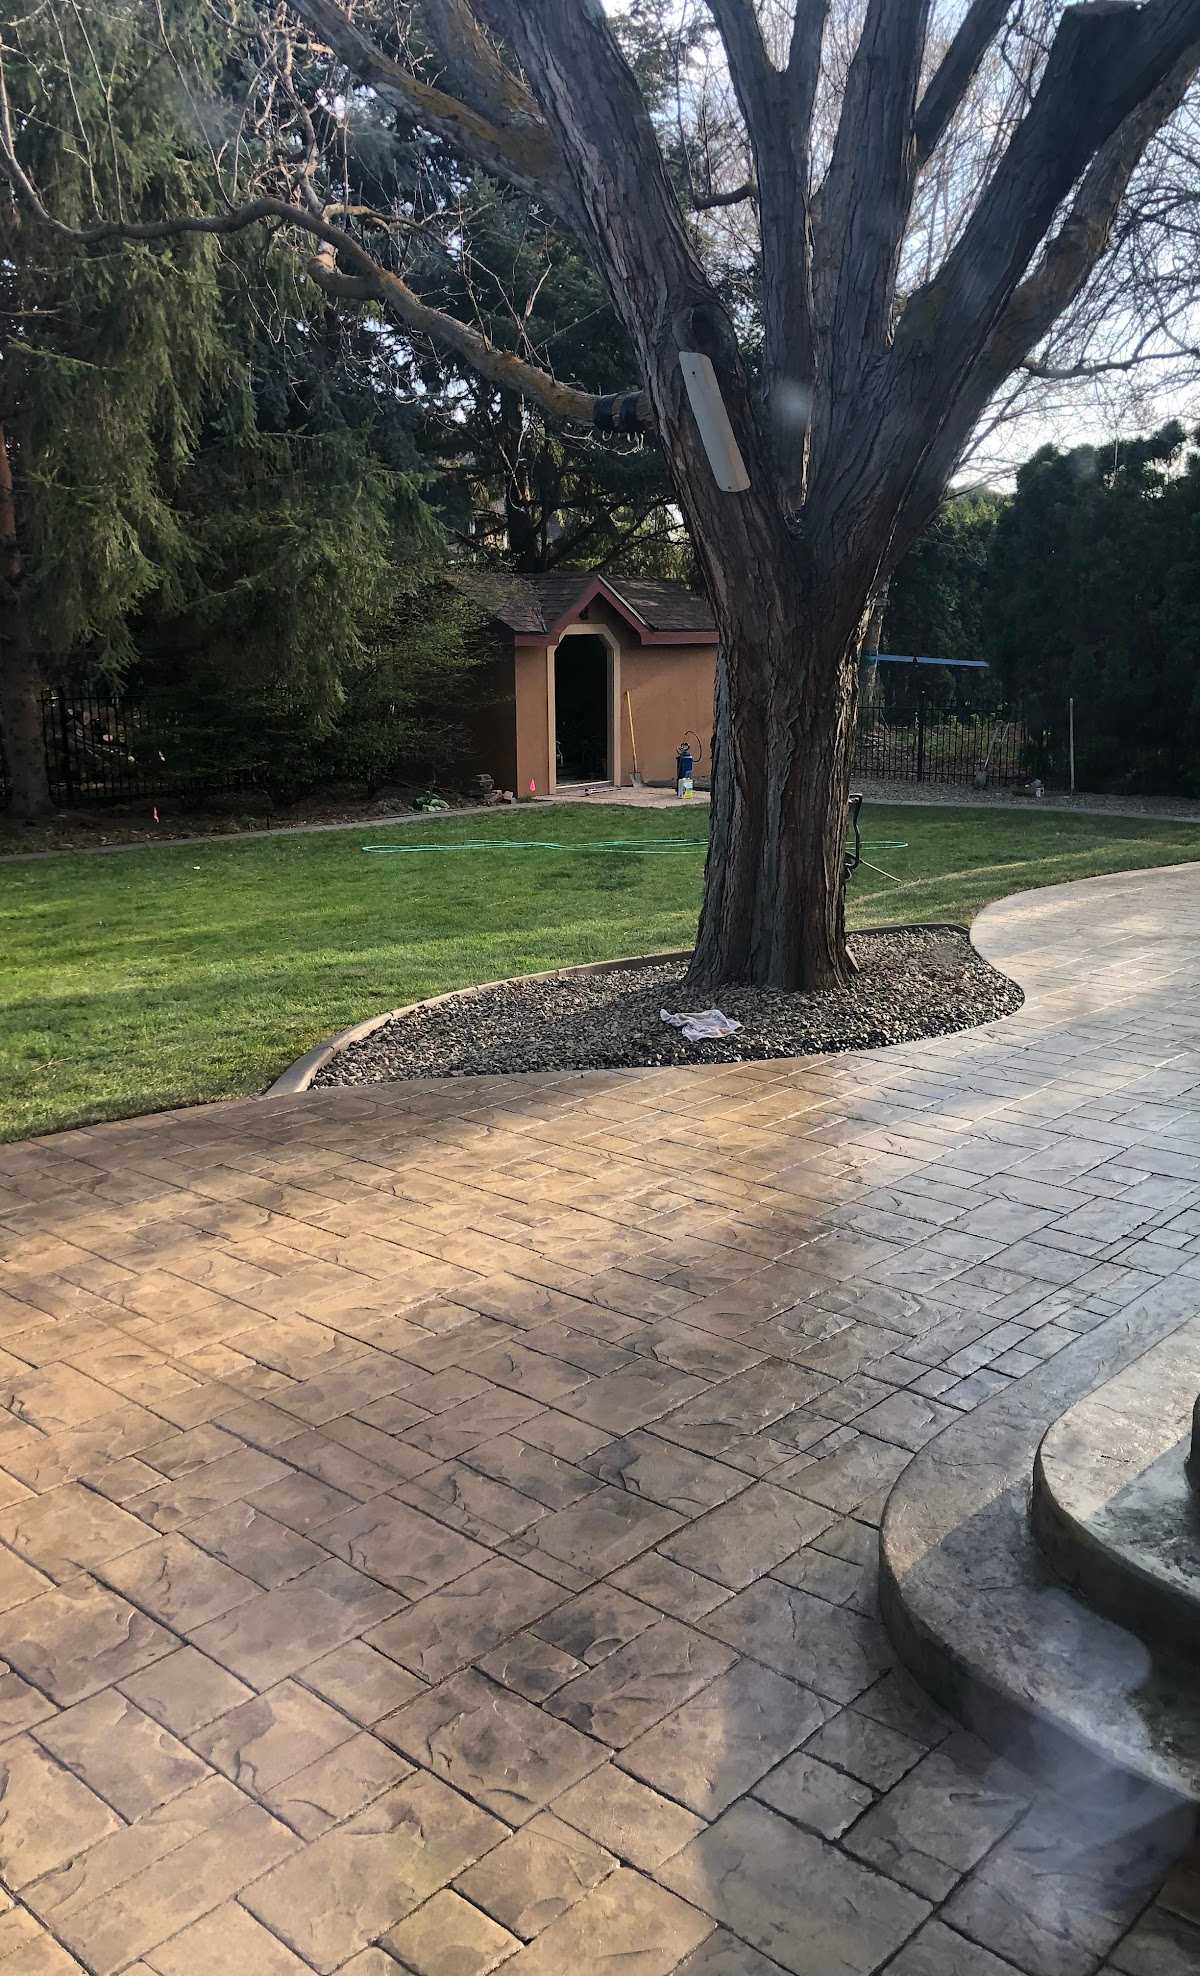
(582, 701)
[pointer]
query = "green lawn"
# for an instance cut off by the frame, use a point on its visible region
(167, 976)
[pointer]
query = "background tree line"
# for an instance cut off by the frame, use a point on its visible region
(1084, 582)
(230, 500)
(233, 498)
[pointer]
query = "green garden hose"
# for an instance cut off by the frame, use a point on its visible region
(630, 844)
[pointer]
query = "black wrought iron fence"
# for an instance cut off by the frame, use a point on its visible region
(925, 746)
(103, 750)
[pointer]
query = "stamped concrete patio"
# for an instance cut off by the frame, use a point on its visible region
(438, 1522)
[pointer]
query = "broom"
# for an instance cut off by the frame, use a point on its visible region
(636, 777)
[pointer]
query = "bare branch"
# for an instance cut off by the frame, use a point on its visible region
(956, 72)
(804, 55)
(1064, 268)
(746, 52)
(1070, 256)
(1104, 62)
(777, 107)
(1105, 367)
(704, 202)
(474, 70)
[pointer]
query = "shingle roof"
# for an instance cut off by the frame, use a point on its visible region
(531, 604)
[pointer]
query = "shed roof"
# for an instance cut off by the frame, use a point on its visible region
(532, 604)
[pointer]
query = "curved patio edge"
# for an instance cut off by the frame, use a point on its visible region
(974, 1609)
(298, 1076)
(984, 1624)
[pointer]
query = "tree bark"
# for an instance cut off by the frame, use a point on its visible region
(20, 675)
(774, 896)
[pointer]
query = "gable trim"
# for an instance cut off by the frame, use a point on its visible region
(599, 586)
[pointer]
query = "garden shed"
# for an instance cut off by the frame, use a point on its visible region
(587, 667)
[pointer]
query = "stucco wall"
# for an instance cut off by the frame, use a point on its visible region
(671, 688)
(532, 719)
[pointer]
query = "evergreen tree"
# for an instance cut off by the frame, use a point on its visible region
(936, 601)
(511, 484)
(212, 478)
(103, 369)
(936, 608)
(1094, 593)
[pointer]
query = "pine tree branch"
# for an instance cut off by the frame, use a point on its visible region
(522, 152)
(344, 270)
(956, 72)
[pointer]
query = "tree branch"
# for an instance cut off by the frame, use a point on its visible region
(1106, 366)
(867, 195)
(804, 52)
(632, 214)
(474, 68)
(1104, 61)
(1063, 270)
(956, 72)
(777, 107)
(635, 232)
(704, 202)
(344, 270)
(750, 66)
(521, 153)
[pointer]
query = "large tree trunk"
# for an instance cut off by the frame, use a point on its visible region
(20, 676)
(21, 719)
(774, 892)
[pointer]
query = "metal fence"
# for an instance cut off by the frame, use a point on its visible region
(103, 750)
(926, 746)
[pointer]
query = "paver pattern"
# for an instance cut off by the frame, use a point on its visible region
(438, 1522)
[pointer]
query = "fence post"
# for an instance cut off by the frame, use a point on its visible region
(64, 742)
(1071, 738)
(921, 736)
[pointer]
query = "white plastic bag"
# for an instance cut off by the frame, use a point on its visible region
(703, 1025)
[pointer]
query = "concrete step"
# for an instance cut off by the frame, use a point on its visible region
(1113, 1507)
(979, 1616)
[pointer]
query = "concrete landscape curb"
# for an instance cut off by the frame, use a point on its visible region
(298, 1076)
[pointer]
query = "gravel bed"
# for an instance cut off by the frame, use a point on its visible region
(910, 983)
(938, 795)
